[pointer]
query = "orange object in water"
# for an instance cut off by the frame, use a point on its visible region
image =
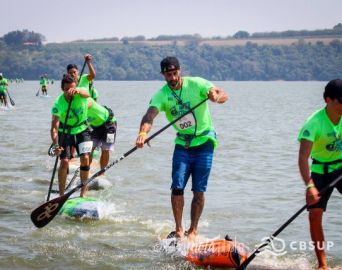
(220, 253)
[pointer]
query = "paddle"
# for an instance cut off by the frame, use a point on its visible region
(60, 140)
(11, 100)
(282, 227)
(37, 94)
(43, 214)
(76, 174)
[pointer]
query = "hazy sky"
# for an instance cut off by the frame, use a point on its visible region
(67, 20)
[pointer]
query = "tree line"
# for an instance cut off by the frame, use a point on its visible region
(139, 61)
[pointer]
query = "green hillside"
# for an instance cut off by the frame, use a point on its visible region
(138, 59)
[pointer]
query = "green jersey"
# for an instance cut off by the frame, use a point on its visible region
(93, 93)
(326, 138)
(3, 85)
(98, 115)
(77, 116)
(44, 82)
(195, 127)
(84, 83)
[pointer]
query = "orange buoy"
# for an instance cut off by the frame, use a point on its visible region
(220, 253)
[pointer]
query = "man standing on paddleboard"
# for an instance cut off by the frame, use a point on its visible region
(76, 131)
(3, 89)
(85, 81)
(43, 84)
(321, 139)
(196, 138)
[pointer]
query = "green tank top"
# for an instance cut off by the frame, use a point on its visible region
(326, 138)
(98, 114)
(43, 82)
(193, 91)
(83, 82)
(77, 115)
(3, 85)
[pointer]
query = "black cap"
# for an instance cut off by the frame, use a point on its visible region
(333, 90)
(169, 63)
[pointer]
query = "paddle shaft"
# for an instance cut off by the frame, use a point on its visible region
(43, 214)
(282, 227)
(11, 100)
(60, 140)
(135, 147)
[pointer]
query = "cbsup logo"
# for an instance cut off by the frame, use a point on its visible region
(277, 246)
(273, 245)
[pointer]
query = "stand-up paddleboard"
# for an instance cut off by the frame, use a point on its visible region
(217, 253)
(83, 208)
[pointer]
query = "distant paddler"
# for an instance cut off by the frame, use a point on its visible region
(77, 133)
(103, 123)
(43, 84)
(3, 90)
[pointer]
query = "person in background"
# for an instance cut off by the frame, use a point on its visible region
(84, 81)
(3, 90)
(92, 91)
(104, 125)
(321, 139)
(43, 84)
(76, 131)
(195, 141)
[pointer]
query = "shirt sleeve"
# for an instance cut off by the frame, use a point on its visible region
(157, 101)
(204, 86)
(309, 131)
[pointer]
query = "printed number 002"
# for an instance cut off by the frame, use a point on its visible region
(185, 125)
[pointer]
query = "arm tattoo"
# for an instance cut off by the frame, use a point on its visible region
(149, 116)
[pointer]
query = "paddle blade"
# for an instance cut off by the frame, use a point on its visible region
(42, 215)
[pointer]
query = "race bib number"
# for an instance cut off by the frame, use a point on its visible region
(110, 138)
(188, 121)
(85, 147)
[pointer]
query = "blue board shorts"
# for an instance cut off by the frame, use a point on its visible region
(195, 161)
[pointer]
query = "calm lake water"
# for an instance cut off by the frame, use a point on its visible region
(254, 186)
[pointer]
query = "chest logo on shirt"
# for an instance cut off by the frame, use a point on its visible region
(336, 145)
(179, 109)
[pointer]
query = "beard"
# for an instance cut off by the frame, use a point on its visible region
(173, 83)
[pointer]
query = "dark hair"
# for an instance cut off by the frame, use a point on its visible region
(333, 90)
(67, 79)
(71, 66)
